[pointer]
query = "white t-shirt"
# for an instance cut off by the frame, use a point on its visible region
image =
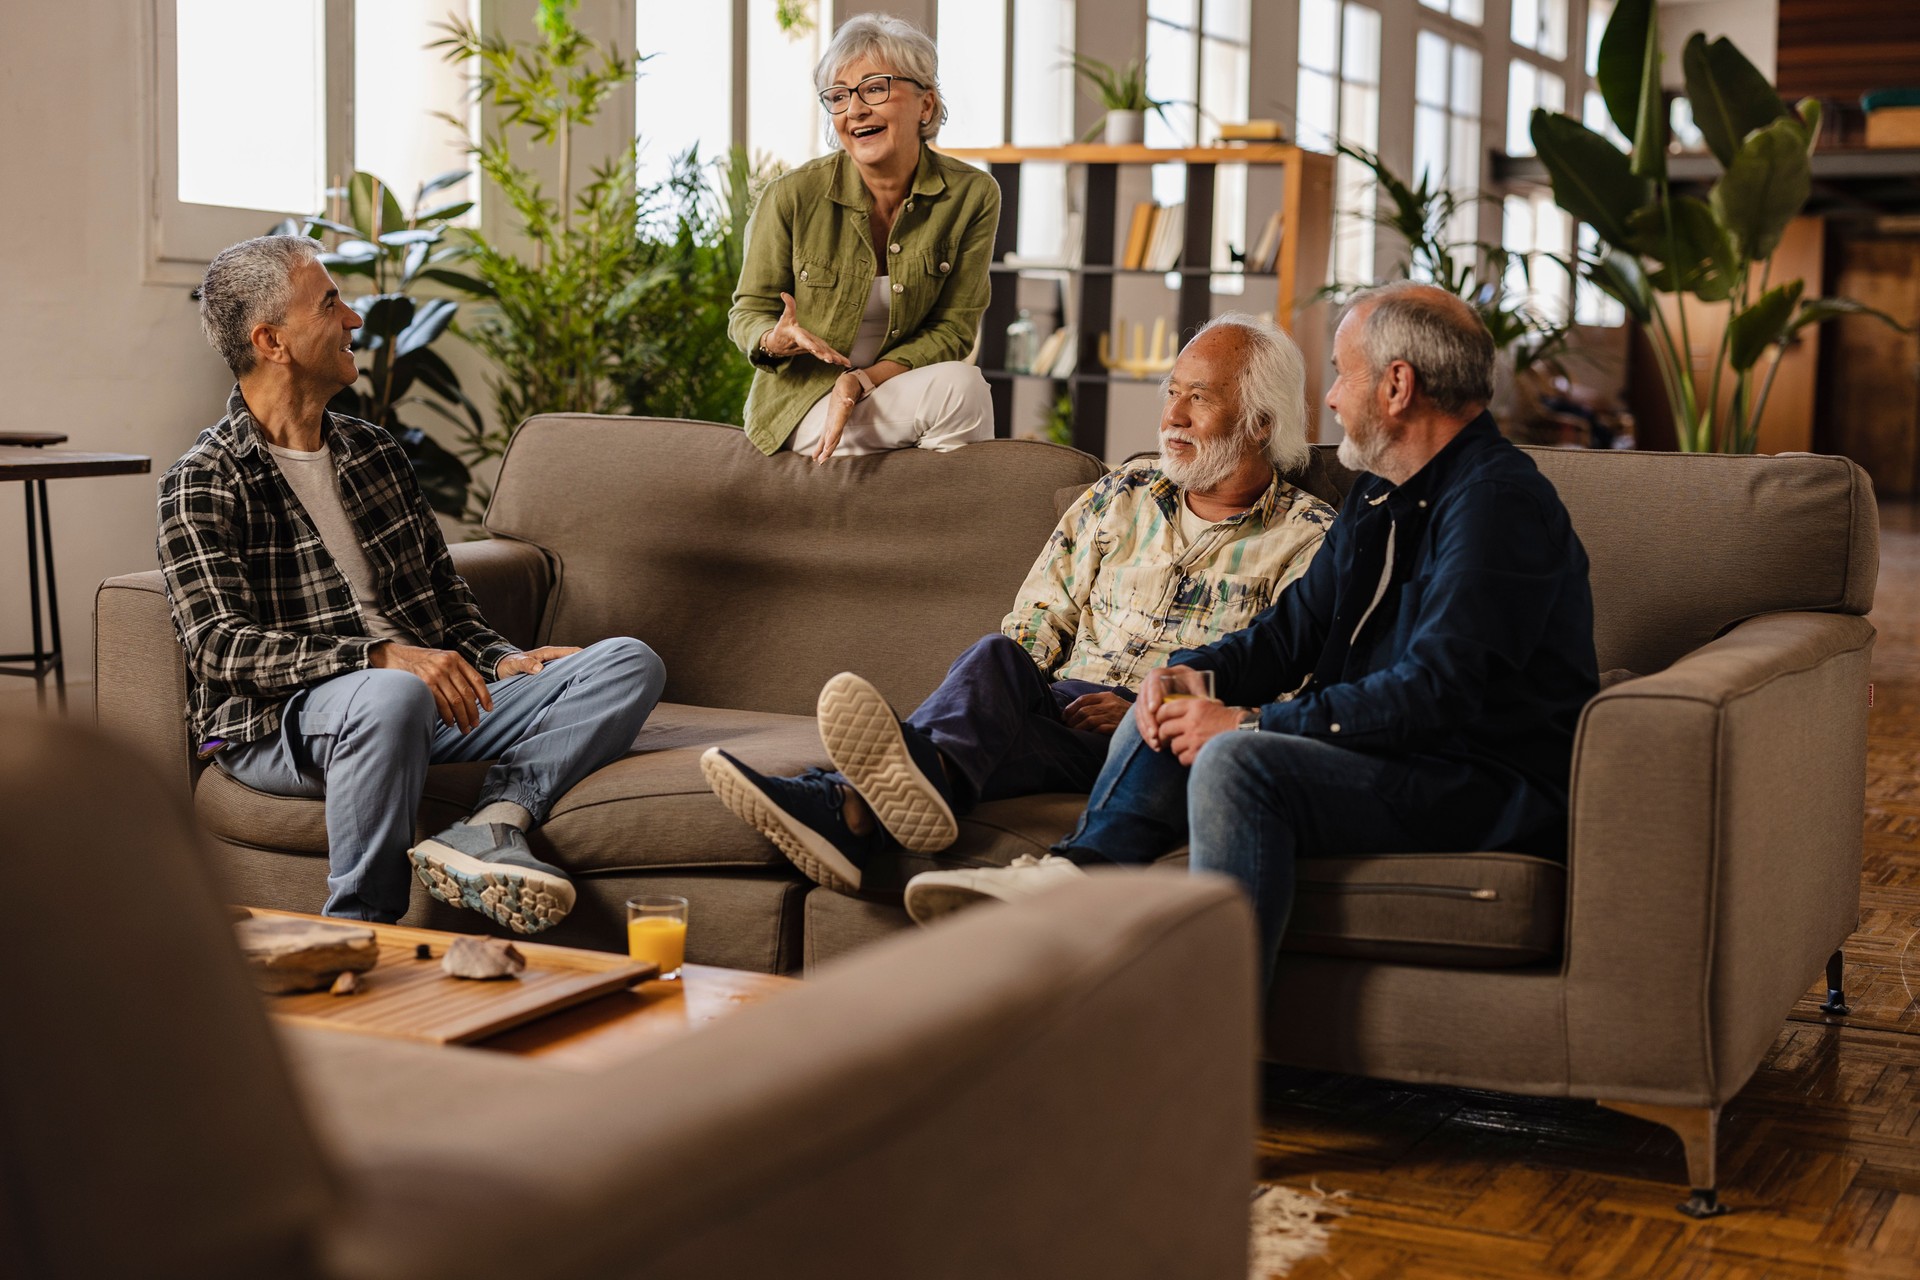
(872, 334)
(315, 482)
(1191, 525)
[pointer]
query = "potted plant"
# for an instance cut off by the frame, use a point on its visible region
(1122, 92)
(1714, 252)
(394, 252)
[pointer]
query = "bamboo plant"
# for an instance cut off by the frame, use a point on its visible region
(1715, 252)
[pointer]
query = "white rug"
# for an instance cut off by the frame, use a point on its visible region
(1290, 1225)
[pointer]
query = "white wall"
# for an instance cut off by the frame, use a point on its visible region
(89, 349)
(1752, 25)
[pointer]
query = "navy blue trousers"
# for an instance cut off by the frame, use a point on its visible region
(998, 722)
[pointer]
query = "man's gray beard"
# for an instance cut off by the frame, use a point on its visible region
(1355, 456)
(1214, 462)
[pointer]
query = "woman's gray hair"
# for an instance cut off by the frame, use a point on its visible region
(1273, 388)
(247, 284)
(1441, 336)
(894, 43)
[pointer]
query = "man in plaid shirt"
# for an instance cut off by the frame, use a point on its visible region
(333, 651)
(1160, 554)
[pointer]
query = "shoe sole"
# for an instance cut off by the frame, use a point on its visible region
(804, 847)
(523, 900)
(862, 737)
(926, 903)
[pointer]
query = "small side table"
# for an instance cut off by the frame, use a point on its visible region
(26, 456)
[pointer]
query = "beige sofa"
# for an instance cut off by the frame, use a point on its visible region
(1717, 798)
(1034, 1094)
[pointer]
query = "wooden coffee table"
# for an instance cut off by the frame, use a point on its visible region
(605, 1029)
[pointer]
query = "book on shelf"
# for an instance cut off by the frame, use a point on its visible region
(1069, 352)
(1139, 231)
(1049, 353)
(1266, 250)
(1169, 230)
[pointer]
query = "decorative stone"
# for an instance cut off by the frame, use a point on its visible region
(482, 959)
(347, 984)
(303, 955)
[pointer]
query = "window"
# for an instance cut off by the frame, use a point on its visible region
(684, 98)
(349, 87)
(784, 121)
(1535, 227)
(1468, 11)
(1529, 86)
(1043, 92)
(1541, 25)
(973, 60)
(1339, 98)
(1446, 124)
(1197, 55)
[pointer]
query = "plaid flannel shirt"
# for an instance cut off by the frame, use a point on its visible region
(1118, 587)
(260, 607)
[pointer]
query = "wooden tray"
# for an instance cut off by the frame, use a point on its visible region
(407, 998)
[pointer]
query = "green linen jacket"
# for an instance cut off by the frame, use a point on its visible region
(808, 237)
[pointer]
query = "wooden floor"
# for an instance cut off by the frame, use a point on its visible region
(1819, 1155)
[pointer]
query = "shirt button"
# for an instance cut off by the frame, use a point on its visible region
(893, 248)
(893, 333)
(909, 204)
(1422, 503)
(803, 275)
(899, 288)
(1333, 728)
(946, 266)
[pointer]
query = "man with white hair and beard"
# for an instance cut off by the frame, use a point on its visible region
(1416, 691)
(1158, 555)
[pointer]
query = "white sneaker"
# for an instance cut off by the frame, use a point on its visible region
(933, 894)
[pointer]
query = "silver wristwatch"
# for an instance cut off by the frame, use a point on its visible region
(1249, 720)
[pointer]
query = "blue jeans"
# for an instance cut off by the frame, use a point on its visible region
(363, 741)
(1253, 803)
(998, 721)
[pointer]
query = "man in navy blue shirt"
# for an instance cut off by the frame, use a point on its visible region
(1416, 691)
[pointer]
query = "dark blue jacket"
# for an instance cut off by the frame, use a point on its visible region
(1478, 649)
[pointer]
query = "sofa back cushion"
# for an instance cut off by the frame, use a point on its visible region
(757, 578)
(1684, 546)
(148, 1125)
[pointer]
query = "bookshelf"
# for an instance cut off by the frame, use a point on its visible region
(1300, 269)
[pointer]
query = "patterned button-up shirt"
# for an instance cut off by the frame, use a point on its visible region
(260, 607)
(1119, 587)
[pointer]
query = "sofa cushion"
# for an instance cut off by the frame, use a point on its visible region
(1465, 910)
(757, 579)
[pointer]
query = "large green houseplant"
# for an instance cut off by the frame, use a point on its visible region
(393, 252)
(1714, 252)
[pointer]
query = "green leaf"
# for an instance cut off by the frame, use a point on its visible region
(383, 316)
(439, 183)
(1752, 331)
(323, 224)
(1620, 277)
(1622, 60)
(1810, 113)
(1764, 187)
(342, 266)
(429, 322)
(372, 206)
(445, 213)
(400, 239)
(1694, 254)
(1729, 96)
(456, 280)
(1591, 179)
(1650, 121)
(355, 251)
(416, 258)
(1819, 310)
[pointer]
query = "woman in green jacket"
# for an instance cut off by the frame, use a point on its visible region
(866, 270)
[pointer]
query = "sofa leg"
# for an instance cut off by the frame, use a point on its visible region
(1836, 986)
(1698, 1128)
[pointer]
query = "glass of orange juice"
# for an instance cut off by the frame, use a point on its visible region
(657, 932)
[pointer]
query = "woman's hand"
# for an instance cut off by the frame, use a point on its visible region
(847, 392)
(787, 338)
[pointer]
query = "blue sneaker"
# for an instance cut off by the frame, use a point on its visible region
(491, 869)
(802, 816)
(892, 766)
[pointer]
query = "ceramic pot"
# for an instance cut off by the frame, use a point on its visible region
(1125, 128)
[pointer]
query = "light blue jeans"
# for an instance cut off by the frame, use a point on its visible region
(363, 741)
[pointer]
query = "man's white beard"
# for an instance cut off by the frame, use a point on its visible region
(1213, 463)
(1357, 456)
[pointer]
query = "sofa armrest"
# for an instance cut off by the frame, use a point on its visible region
(510, 581)
(1715, 855)
(1058, 1087)
(140, 673)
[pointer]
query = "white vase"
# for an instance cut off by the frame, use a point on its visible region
(1125, 128)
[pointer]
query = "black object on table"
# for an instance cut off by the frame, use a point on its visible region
(25, 456)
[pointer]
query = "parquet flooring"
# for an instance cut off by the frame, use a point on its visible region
(1819, 1155)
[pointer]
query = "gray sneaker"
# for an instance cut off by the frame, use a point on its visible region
(491, 869)
(933, 894)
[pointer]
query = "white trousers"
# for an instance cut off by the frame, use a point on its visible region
(938, 406)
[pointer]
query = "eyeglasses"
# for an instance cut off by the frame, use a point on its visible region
(873, 91)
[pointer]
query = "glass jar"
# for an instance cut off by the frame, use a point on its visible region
(1020, 346)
